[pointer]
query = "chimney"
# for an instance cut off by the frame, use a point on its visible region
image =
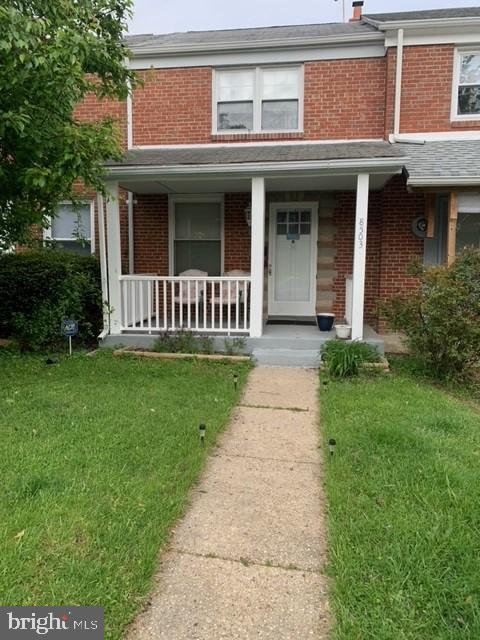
(357, 11)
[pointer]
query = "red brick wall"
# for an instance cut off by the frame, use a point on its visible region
(344, 221)
(391, 245)
(151, 234)
(399, 246)
(173, 106)
(93, 109)
(426, 90)
(344, 98)
(236, 232)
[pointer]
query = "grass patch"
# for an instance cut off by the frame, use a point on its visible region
(404, 515)
(97, 457)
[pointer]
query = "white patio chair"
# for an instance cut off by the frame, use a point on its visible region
(242, 287)
(186, 287)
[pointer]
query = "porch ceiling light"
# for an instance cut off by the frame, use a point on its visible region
(248, 214)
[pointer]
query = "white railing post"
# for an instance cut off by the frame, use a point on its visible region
(359, 256)
(257, 257)
(114, 257)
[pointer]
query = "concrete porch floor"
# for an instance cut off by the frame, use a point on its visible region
(280, 345)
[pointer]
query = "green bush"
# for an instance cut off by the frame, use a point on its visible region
(343, 359)
(39, 289)
(442, 319)
(183, 342)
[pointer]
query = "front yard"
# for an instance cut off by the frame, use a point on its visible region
(404, 510)
(97, 456)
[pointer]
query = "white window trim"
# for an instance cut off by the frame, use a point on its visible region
(454, 115)
(257, 101)
(172, 201)
(47, 232)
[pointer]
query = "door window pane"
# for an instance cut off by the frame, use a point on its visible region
(197, 243)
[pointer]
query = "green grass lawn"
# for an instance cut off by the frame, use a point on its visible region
(404, 511)
(97, 455)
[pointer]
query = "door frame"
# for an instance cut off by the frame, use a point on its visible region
(272, 224)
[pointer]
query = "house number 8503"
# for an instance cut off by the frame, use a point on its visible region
(361, 233)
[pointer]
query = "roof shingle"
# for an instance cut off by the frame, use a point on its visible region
(239, 154)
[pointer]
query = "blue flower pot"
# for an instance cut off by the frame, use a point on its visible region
(325, 321)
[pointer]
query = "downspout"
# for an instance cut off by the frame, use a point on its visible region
(398, 85)
(102, 250)
(131, 242)
(397, 136)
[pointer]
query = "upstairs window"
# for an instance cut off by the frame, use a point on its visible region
(258, 99)
(466, 97)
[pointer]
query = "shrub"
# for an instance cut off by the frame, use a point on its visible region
(235, 346)
(183, 342)
(442, 319)
(39, 289)
(343, 359)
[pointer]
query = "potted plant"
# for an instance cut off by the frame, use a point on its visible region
(325, 321)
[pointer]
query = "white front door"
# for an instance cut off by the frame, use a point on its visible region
(292, 258)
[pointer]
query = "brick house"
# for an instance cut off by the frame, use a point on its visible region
(273, 173)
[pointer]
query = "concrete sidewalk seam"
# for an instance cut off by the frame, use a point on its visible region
(246, 562)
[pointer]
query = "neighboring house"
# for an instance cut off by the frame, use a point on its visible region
(303, 168)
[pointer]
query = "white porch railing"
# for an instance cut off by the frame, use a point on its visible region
(204, 305)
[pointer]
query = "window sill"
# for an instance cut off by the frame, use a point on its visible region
(267, 135)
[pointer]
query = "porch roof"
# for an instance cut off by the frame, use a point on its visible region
(222, 168)
(255, 156)
(447, 163)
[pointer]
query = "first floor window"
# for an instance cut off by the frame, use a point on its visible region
(468, 222)
(258, 99)
(71, 228)
(468, 89)
(197, 237)
(467, 232)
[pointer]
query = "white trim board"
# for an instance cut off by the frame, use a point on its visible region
(441, 136)
(254, 143)
(272, 55)
(310, 167)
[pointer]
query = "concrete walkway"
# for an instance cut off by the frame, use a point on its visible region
(246, 562)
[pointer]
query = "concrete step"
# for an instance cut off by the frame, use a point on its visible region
(287, 357)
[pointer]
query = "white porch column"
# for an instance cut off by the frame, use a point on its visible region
(114, 258)
(257, 257)
(359, 256)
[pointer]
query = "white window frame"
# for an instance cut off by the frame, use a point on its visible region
(200, 198)
(257, 101)
(47, 232)
(457, 58)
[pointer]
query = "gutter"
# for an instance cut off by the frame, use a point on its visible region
(432, 23)
(257, 168)
(435, 181)
(280, 43)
